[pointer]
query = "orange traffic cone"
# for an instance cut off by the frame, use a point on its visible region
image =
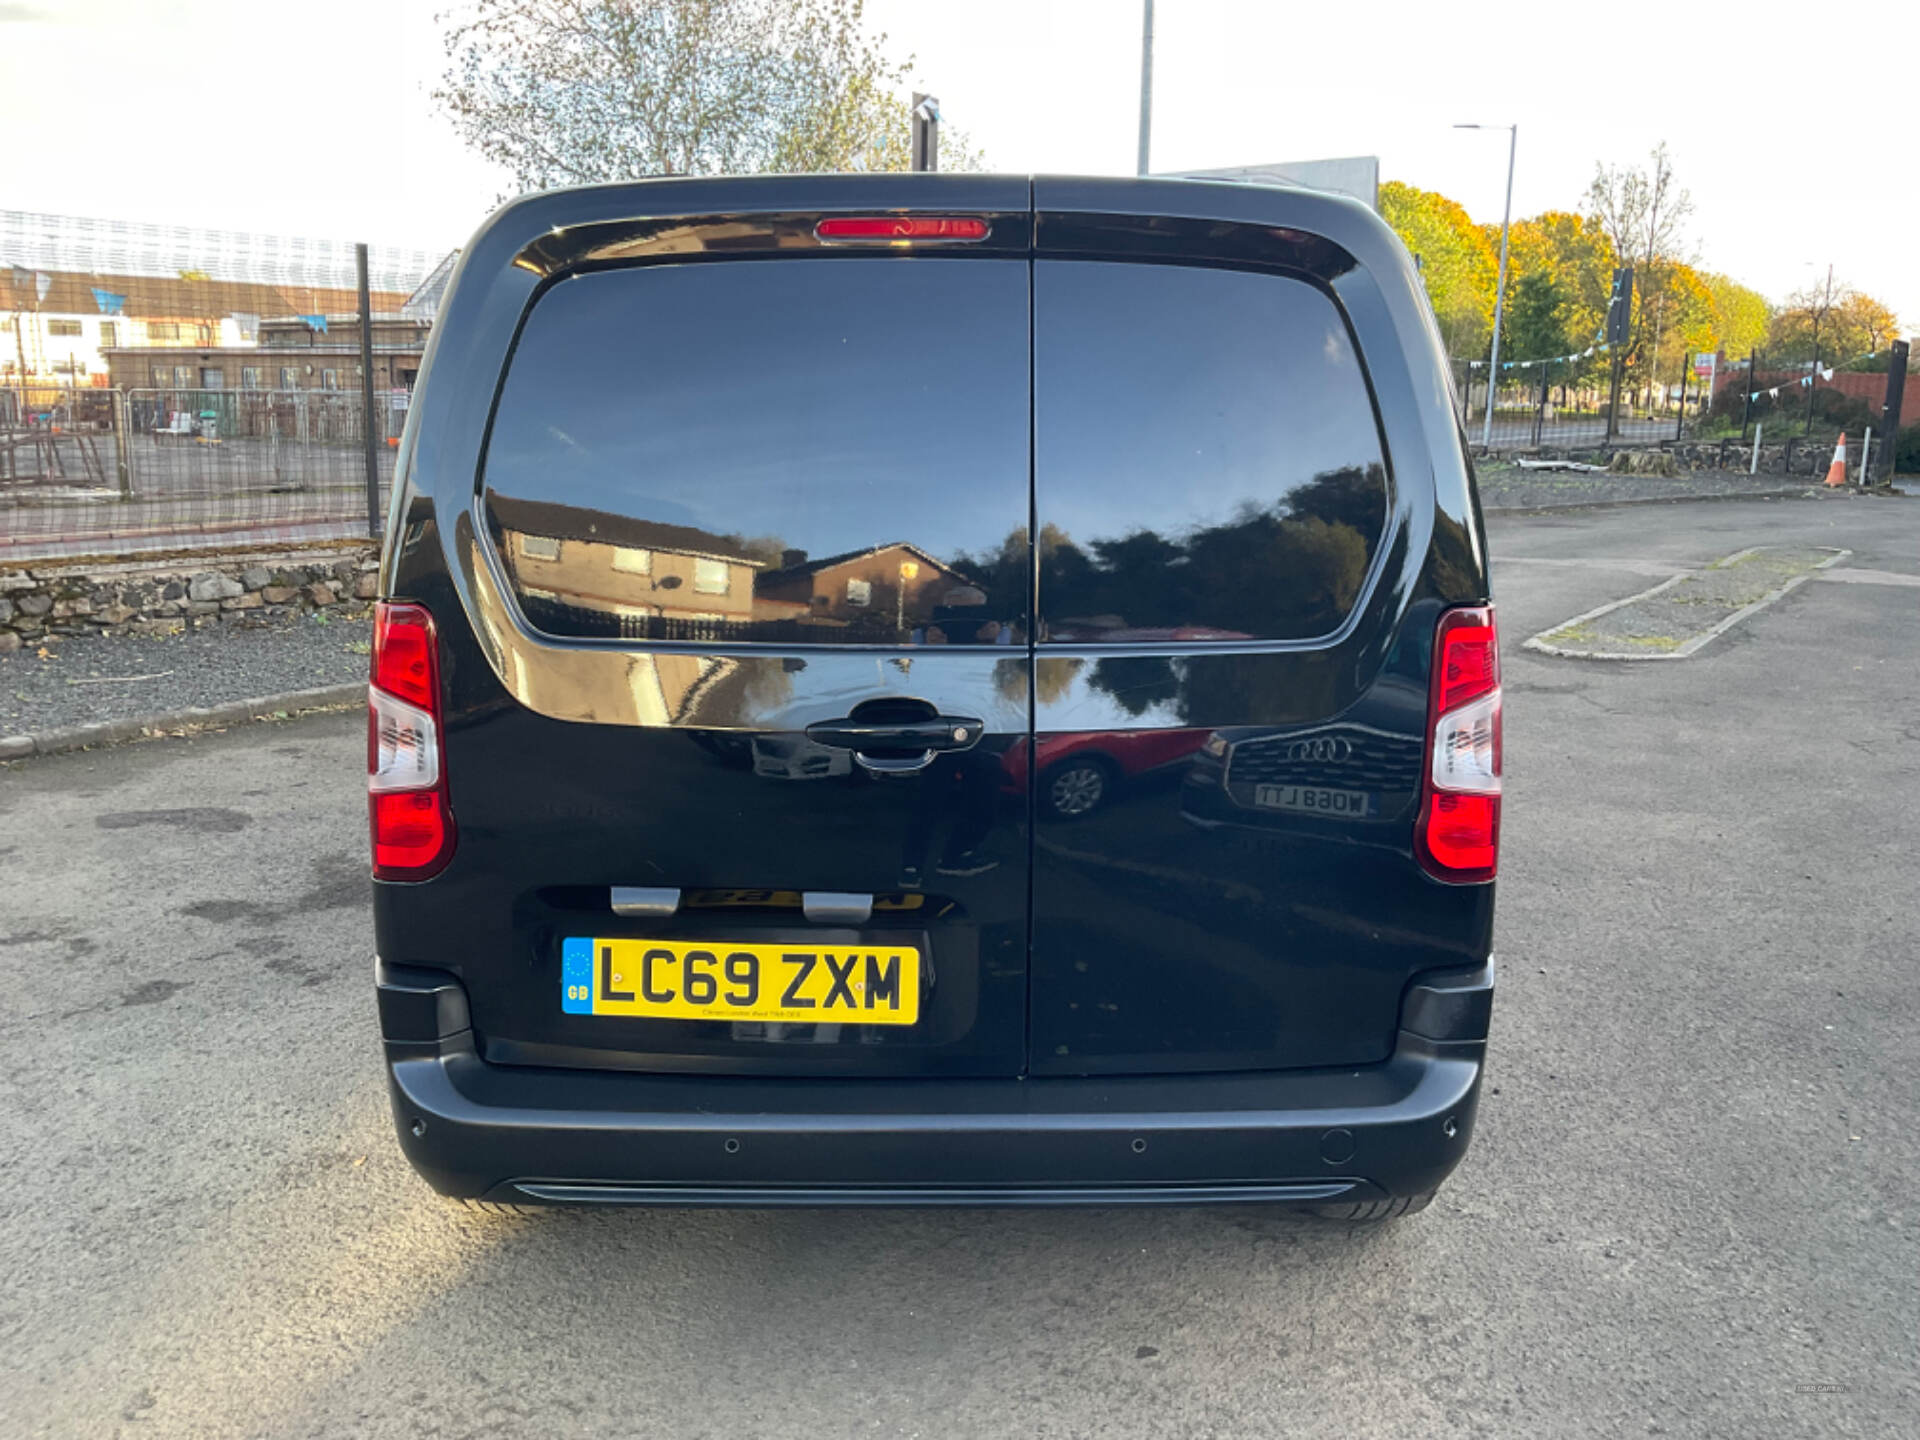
(1837, 471)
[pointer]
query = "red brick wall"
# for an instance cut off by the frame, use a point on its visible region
(1870, 388)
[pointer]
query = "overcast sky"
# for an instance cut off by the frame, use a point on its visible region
(313, 116)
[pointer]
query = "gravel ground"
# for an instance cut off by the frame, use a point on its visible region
(1508, 487)
(84, 679)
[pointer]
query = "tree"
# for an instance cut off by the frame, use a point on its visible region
(1740, 315)
(1457, 265)
(1875, 324)
(567, 92)
(1846, 324)
(1643, 213)
(1576, 257)
(1535, 319)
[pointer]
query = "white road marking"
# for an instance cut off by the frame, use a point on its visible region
(1868, 577)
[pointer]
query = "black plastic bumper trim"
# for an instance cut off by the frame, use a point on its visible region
(764, 1197)
(1450, 1005)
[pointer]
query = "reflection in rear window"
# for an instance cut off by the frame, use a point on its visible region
(1208, 465)
(809, 451)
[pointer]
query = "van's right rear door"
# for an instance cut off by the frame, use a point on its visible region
(1230, 678)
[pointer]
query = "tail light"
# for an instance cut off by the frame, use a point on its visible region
(1458, 833)
(407, 808)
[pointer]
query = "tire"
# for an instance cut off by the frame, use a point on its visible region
(1371, 1211)
(1076, 787)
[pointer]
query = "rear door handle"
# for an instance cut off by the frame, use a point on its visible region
(897, 746)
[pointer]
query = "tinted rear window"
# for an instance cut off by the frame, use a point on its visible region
(1208, 464)
(809, 451)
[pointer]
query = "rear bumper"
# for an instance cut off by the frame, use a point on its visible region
(572, 1136)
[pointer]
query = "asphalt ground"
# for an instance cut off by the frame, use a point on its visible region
(1688, 1209)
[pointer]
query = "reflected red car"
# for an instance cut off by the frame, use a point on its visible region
(1083, 770)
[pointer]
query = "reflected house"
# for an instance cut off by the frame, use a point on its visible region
(594, 573)
(623, 571)
(882, 587)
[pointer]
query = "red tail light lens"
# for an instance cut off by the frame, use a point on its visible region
(410, 818)
(1467, 662)
(1458, 834)
(888, 228)
(403, 663)
(1463, 835)
(412, 832)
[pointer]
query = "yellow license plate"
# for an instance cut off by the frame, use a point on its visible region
(722, 980)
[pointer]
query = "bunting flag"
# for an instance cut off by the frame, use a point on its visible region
(109, 303)
(1591, 350)
(21, 277)
(200, 275)
(42, 283)
(315, 323)
(1826, 373)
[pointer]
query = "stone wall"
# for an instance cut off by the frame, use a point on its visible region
(167, 597)
(1797, 457)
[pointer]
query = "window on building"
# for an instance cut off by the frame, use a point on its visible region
(537, 547)
(183, 377)
(329, 379)
(250, 377)
(709, 577)
(205, 332)
(162, 377)
(109, 333)
(212, 377)
(859, 592)
(66, 329)
(163, 330)
(289, 377)
(629, 560)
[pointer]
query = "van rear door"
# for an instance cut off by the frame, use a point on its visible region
(733, 796)
(1231, 665)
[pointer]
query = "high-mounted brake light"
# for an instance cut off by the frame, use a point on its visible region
(898, 229)
(410, 819)
(1458, 833)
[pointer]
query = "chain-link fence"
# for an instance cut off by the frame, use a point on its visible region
(109, 471)
(168, 389)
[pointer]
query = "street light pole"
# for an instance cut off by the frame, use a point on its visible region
(1500, 286)
(1146, 86)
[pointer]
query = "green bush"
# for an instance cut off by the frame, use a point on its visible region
(1834, 409)
(1906, 455)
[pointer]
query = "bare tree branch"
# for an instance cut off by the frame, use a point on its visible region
(571, 91)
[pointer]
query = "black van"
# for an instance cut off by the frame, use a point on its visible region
(764, 550)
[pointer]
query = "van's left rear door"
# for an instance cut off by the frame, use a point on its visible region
(736, 509)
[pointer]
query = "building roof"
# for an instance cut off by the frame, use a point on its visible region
(574, 522)
(814, 567)
(152, 297)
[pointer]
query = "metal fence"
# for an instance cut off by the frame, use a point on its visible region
(107, 471)
(170, 389)
(1563, 406)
